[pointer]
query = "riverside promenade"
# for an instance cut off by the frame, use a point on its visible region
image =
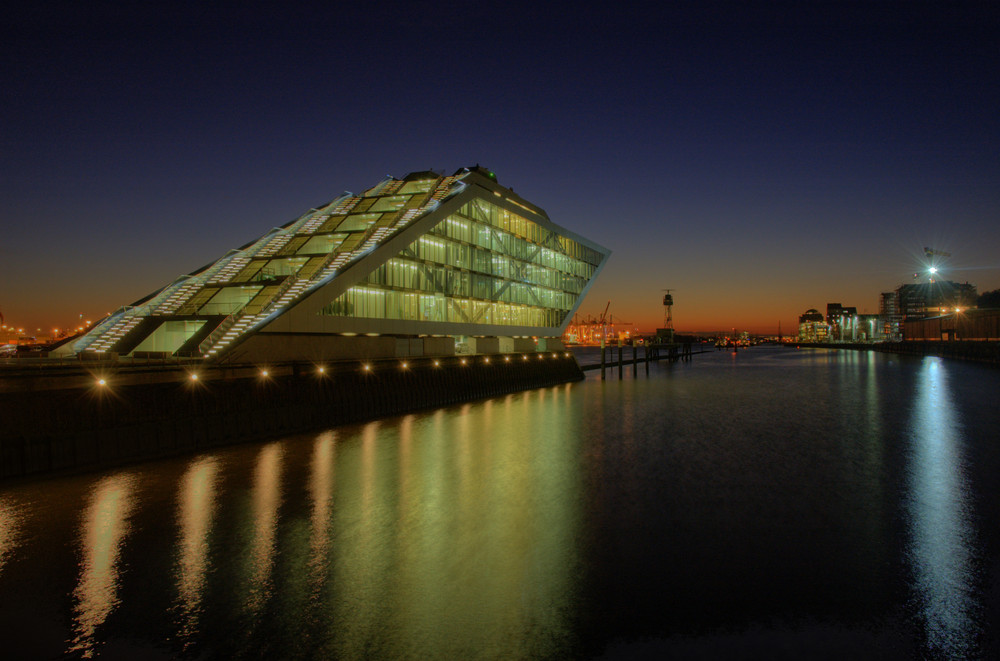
(978, 351)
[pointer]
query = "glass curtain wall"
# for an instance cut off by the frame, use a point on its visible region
(481, 265)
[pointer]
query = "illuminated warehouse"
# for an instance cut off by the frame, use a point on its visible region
(425, 265)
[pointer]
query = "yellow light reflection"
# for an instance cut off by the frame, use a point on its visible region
(10, 521)
(266, 500)
(942, 535)
(195, 508)
(103, 531)
(321, 490)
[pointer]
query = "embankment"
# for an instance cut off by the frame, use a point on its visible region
(68, 421)
(979, 352)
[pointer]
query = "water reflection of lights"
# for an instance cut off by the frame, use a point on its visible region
(195, 507)
(321, 491)
(103, 529)
(941, 531)
(266, 500)
(9, 524)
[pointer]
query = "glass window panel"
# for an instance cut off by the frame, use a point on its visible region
(358, 221)
(390, 203)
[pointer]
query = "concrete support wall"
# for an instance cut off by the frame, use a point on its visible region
(70, 428)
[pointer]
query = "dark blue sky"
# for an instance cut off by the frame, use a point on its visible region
(760, 158)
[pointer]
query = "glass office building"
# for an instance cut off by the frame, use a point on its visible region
(423, 265)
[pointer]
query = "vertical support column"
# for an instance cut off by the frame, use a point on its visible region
(647, 359)
(635, 359)
(619, 360)
(602, 362)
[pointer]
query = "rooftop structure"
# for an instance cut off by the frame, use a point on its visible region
(423, 265)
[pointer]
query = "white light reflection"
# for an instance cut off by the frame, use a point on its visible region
(941, 532)
(103, 529)
(195, 507)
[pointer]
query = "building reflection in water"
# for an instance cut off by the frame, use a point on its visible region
(941, 532)
(455, 532)
(104, 528)
(195, 509)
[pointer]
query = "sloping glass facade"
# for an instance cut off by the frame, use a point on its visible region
(475, 256)
(481, 265)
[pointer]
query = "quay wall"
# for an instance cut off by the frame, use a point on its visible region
(48, 427)
(975, 351)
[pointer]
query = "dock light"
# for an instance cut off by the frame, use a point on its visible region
(102, 382)
(932, 270)
(437, 363)
(404, 365)
(566, 355)
(486, 360)
(193, 376)
(555, 355)
(525, 356)
(367, 367)
(463, 361)
(263, 373)
(321, 370)
(506, 359)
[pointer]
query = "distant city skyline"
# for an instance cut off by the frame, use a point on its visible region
(759, 159)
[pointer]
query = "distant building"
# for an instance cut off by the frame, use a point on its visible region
(424, 265)
(981, 325)
(843, 322)
(891, 317)
(870, 328)
(932, 299)
(812, 326)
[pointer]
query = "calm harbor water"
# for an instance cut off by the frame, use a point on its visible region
(774, 503)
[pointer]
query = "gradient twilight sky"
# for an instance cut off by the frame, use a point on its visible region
(759, 158)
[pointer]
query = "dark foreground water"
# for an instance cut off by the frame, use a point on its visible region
(775, 503)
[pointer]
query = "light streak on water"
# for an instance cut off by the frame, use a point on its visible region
(104, 527)
(195, 509)
(266, 501)
(942, 535)
(10, 520)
